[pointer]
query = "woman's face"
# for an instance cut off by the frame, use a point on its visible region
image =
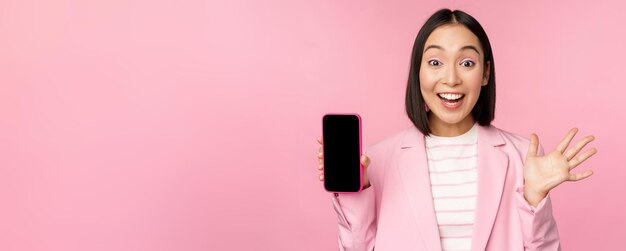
(451, 74)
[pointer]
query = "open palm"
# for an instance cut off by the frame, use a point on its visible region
(543, 173)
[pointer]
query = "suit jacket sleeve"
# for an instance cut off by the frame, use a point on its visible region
(538, 225)
(357, 220)
(356, 213)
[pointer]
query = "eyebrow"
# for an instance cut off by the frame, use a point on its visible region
(467, 47)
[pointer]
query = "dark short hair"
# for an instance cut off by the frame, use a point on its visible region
(484, 110)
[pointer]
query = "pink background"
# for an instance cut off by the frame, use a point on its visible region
(192, 125)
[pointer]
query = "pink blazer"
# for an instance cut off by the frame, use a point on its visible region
(396, 213)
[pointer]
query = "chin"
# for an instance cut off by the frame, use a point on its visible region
(451, 119)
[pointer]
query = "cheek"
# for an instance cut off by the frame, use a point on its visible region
(473, 80)
(426, 88)
(427, 81)
(474, 76)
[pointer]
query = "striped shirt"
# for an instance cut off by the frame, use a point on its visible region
(452, 167)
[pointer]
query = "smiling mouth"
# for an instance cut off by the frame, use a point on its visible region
(450, 98)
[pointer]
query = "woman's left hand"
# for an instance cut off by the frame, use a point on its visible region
(543, 173)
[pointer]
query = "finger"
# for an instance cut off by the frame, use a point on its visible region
(320, 161)
(533, 146)
(320, 155)
(321, 177)
(565, 142)
(580, 176)
(579, 146)
(365, 161)
(320, 167)
(580, 158)
(319, 140)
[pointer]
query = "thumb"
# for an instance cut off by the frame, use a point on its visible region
(365, 161)
(533, 146)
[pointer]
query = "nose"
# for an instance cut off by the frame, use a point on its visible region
(452, 77)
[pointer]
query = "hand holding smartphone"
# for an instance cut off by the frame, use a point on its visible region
(341, 153)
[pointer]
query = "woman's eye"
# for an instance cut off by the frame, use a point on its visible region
(434, 62)
(468, 63)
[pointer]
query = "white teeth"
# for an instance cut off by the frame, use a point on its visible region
(450, 96)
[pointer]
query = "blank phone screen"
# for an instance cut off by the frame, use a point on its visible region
(342, 152)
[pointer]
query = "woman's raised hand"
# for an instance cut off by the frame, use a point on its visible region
(543, 173)
(365, 161)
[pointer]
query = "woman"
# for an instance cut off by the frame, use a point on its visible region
(453, 181)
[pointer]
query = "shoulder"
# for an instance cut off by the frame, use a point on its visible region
(512, 137)
(514, 140)
(390, 142)
(383, 151)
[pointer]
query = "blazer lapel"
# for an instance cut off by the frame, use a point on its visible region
(413, 168)
(492, 168)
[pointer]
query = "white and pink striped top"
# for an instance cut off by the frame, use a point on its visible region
(452, 166)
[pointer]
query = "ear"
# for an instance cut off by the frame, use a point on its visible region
(486, 73)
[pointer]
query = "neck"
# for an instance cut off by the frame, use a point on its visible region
(443, 129)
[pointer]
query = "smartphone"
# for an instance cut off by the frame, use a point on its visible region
(342, 153)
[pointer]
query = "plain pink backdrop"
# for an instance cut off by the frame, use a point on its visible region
(192, 125)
